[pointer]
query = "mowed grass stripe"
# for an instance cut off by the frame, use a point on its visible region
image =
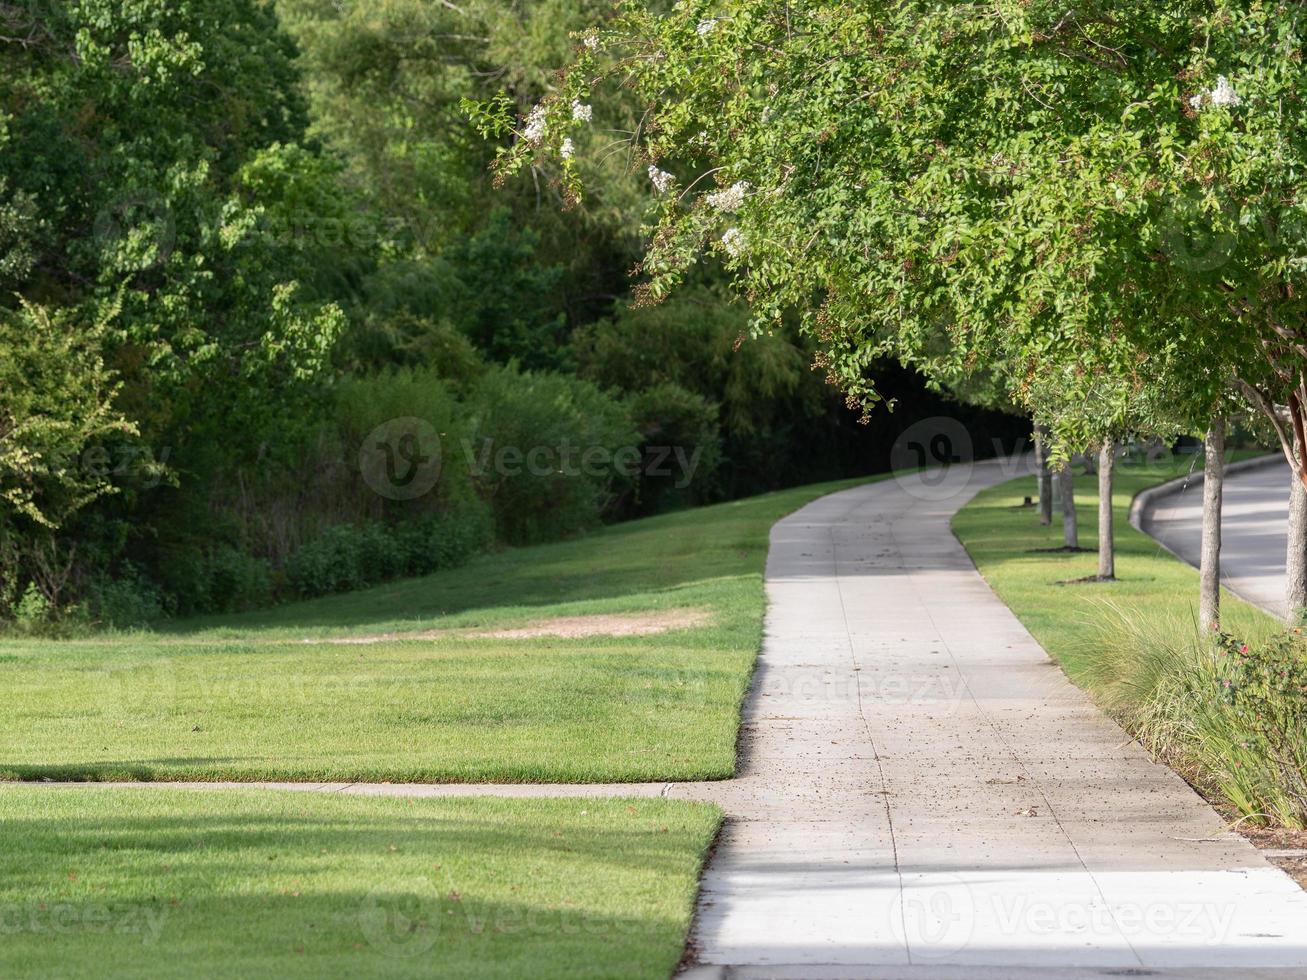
(128, 883)
(245, 698)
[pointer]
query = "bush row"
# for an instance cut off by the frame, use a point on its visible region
(520, 457)
(352, 556)
(1232, 712)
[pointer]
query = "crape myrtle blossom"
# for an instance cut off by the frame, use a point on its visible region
(581, 112)
(567, 150)
(536, 125)
(1223, 93)
(735, 242)
(1220, 94)
(728, 201)
(661, 179)
(706, 26)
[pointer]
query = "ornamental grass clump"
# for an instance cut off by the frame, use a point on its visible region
(1230, 713)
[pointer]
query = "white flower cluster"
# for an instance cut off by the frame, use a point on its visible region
(661, 179)
(582, 112)
(534, 133)
(1222, 93)
(734, 242)
(567, 150)
(590, 40)
(706, 26)
(729, 200)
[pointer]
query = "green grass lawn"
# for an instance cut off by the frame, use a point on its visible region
(1004, 538)
(255, 697)
(101, 882)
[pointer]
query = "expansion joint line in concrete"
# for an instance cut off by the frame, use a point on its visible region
(871, 740)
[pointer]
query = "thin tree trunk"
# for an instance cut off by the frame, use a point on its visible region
(1043, 476)
(1209, 567)
(1295, 579)
(1067, 487)
(1106, 539)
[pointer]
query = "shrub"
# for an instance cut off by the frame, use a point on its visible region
(447, 541)
(548, 452)
(1255, 729)
(129, 600)
(33, 611)
(350, 556)
(214, 579)
(681, 446)
(330, 563)
(1231, 712)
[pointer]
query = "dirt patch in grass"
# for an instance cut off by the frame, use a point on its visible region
(567, 627)
(1086, 580)
(625, 624)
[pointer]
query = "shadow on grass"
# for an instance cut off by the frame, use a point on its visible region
(294, 886)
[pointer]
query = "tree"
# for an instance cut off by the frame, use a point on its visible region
(1209, 568)
(893, 172)
(960, 187)
(144, 148)
(57, 422)
(150, 204)
(56, 401)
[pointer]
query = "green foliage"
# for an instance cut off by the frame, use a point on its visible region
(681, 447)
(505, 296)
(1229, 711)
(56, 402)
(214, 578)
(129, 599)
(286, 233)
(966, 188)
(385, 82)
(1259, 724)
(145, 202)
(385, 340)
(547, 451)
(700, 340)
(348, 557)
(33, 611)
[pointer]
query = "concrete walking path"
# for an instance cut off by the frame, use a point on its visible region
(923, 794)
(1254, 530)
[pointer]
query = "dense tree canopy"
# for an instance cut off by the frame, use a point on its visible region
(251, 254)
(956, 186)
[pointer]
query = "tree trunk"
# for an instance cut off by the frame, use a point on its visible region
(1106, 539)
(1209, 567)
(1295, 579)
(1043, 476)
(1067, 487)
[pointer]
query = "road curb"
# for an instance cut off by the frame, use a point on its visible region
(1145, 499)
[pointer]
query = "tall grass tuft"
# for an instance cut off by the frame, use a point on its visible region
(1229, 712)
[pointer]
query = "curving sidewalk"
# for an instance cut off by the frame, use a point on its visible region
(1254, 526)
(923, 794)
